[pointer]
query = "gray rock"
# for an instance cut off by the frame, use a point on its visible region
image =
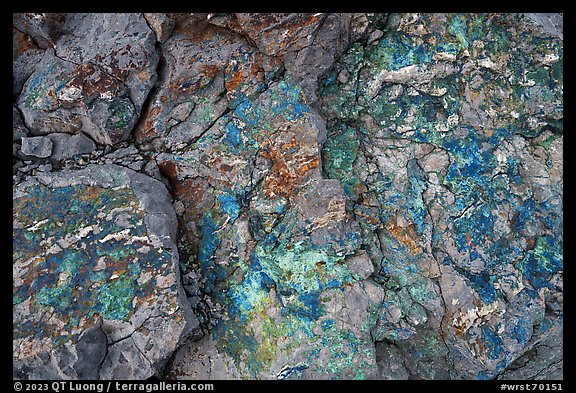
(25, 55)
(95, 80)
(374, 36)
(92, 348)
(543, 361)
(136, 165)
(122, 153)
(353, 196)
(106, 271)
(441, 170)
(552, 23)
(360, 264)
(43, 28)
(161, 24)
(305, 63)
(37, 146)
(19, 130)
(67, 146)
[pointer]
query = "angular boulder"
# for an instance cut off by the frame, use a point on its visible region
(96, 287)
(95, 79)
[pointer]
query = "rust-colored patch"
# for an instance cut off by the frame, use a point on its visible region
(320, 268)
(405, 236)
(210, 70)
(289, 167)
(480, 349)
(168, 169)
(191, 192)
(93, 81)
(255, 70)
(91, 193)
(21, 42)
(195, 196)
(291, 28)
(236, 80)
(146, 129)
(111, 61)
(225, 168)
(371, 218)
(460, 329)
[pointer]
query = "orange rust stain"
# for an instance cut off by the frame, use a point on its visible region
(51, 94)
(360, 188)
(288, 168)
(235, 82)
(210, 70)
(255, 70)
(91, 193)
(320, 267)
(146, 130)
(460, 330)
(404, 235)
(93, 81)
(191, 192)
(370, 218)
(143, 76)
(226, 168)
(481, 348)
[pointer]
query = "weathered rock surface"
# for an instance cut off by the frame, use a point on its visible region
(43, 28)
(448, 138)
(95, 78)
(37, 146)
(356, 196)
(543, 361)
(271, 237)
(25, 55)
(97, 289)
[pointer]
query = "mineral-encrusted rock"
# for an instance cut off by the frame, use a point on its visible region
(94, 80)
(357, 195)
(447, 134)
(19, 130)
(161, 24)
(209, 70)
(307, 44)
(543, 361)
(97, 290)
(272, 239)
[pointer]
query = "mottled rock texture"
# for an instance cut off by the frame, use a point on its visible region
(351, 196)
(448, 139)
(94, 79)
(97, 289)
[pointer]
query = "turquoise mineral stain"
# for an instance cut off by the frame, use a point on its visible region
(66, 282)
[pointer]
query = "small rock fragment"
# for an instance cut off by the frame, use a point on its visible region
(37, 146)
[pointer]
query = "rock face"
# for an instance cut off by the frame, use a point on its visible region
(352, 196)
(94, 80)
(97, 289)
(448, 138)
